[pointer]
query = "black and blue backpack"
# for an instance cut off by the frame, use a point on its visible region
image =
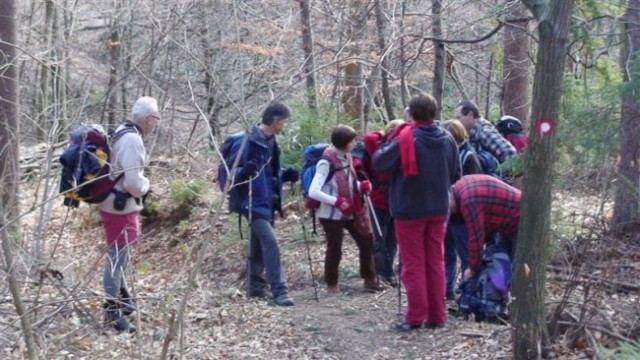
(488, 162)
(86, 164)
(229, 151)
(486, 294)
(310, 157)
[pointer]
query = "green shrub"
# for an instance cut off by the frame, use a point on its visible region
(626, 351)
(304, 128)
(188, 192)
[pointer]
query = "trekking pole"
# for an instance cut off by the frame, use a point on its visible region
(399, 286)
(384, 248)
(250, 217)
(306, 242)
(373, 214)
(375, 220)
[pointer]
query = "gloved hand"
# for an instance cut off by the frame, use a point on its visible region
(344, 205)
(365, 187)
(290, 175)
(249, 169)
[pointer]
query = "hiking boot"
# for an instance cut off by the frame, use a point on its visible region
(260, 294)
(450, 295)
(371, 285)
(333, 290)
(406, 327)
(433, 326)
(114, 317)
(391, 281)
(127, 302)
(283, 300)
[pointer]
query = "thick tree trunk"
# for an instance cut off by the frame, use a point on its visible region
(625, 209)
(529, 268)
(384, 63)
(354, 84)
(309, 65)
(9, 156)
(516, 64)
(440, 56)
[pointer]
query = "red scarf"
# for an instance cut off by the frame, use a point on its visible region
(407, 146)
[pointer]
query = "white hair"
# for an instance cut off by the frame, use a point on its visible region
(143, 107)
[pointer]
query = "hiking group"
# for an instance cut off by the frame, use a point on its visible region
(425, 189)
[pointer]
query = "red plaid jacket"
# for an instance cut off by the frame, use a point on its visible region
(488, 206)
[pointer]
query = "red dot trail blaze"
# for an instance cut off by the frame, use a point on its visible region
(545, 127)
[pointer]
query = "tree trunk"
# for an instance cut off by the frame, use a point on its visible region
(114, 46)
(42, 99)
(529, 268)
(625, 209)
(403, 61)
(440, 56)
(516, 65)
(384, 63)
(354, 84)
(9, 157)
(307, 47)
(487, 94)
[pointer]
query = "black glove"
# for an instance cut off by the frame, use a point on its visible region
(290, 175)
(249, 169)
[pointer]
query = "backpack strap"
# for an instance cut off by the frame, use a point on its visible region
(464, 156)
(128, 127)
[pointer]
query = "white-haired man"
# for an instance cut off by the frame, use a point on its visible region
(120, 210)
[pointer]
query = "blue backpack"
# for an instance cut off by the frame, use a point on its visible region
(488, 162)
(310, 157)
(229, 150)
(485, 295)
(86, 164)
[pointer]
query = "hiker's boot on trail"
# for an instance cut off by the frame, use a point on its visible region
(333, 290)
(113, 317)
(127, 302)
(372, 285)
(283, 300)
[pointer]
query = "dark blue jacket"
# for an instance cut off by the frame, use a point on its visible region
(425, 194)
(266, 186)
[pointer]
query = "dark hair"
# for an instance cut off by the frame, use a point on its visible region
(342, 135)
(423, 107)
(468, 105)
(275, 112)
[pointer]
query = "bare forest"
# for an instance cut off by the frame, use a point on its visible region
(214, 66)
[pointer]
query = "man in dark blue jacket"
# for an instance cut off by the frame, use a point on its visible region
(261, 167)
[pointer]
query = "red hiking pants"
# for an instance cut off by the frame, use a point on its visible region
(421, 247)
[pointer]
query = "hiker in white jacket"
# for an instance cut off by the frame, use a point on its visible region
(120, 210)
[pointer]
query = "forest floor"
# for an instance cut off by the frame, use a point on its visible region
(601, 309)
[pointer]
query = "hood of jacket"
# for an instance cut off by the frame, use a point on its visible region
(431, 136)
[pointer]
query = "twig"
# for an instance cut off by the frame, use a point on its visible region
(595, 280)
(473, 334)
(594, 327)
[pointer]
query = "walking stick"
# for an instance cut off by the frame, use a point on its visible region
(373, 215)
(399, 286)
(306, 242)
(384, 249)
(250, 217)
